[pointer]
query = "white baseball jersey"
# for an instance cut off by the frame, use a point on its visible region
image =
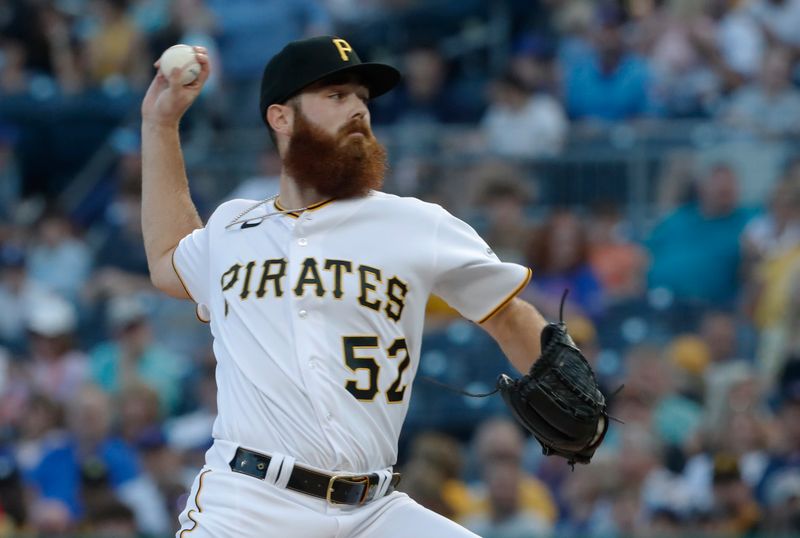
(317, 318)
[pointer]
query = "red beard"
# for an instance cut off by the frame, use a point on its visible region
(335, 166)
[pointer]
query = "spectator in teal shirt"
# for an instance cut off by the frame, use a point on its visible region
(132, 356)
(695, 250)
(607, 81)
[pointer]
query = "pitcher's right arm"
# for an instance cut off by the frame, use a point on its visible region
(168, 213)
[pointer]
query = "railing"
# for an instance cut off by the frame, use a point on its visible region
(69, 144)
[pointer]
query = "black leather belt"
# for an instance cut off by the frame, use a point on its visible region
(336, 489)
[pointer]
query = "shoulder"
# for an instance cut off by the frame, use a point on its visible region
(230, 210)
(404, 205)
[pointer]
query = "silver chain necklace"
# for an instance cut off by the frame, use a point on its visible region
(238, 218)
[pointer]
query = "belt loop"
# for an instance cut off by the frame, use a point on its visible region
(383, 483)
(285, 472)
(275, 464)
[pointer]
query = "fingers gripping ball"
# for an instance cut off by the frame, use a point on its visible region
(183, 58)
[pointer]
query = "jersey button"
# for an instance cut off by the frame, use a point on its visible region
(302, 241)
(303, 314)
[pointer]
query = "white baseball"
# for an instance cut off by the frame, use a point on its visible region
(182, 57)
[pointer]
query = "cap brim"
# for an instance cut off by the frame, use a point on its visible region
(379, 78)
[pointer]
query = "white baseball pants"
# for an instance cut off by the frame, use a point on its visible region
(225, 504)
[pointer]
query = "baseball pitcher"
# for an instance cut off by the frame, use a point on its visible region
(316, 300)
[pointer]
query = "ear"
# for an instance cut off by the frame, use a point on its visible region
(281, 119)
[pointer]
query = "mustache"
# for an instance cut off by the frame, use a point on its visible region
(355, 126)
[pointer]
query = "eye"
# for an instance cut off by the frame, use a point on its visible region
(336, 95)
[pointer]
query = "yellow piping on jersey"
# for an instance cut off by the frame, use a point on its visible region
(197, 504)
(505, 301)
(296, 214)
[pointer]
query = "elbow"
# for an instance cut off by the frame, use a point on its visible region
(163, 276)
(168, 285)
(158, 280)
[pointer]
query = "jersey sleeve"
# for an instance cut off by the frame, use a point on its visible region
(468, 274)
(191, 262)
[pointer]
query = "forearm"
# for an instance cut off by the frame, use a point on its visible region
(517, 329)
(168, 213)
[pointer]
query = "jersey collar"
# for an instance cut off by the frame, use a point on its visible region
(296, 214)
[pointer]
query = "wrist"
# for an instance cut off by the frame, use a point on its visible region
(156, 125)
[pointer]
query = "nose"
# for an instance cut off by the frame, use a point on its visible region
(360, 109)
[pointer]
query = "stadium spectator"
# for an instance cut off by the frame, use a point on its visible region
(720, 331)
(738, 41)
(442, 453)
(139, 412)
(120, 264)
(109, 517)
(192, 431)
(66, 55)
(115, 48)
(18, 292)
(580, 495)
(730, 44)
(10, 180)
(132, 356)
(533, 61)
(56, 368)
(58, 259)
(165, 466)
(675, 180)
(769, 106)
(503, 200)
(778, 229)
(505, 518)
(779, 344)
(684, 82)
(619, 263)
(249, 32)
(425, 97)
(41, 428)
(710, 442)
(14, 77)
(522, 124)
(92, 458)
(784, 456)
(734, 510)
(639, 464)
(524, 502)
(422, 481)
(13, 509)
(559, 253)
(778, 21)
(191, 22)
(611, 83)
(695, 250)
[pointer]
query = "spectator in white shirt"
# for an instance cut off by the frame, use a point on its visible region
(519, 123)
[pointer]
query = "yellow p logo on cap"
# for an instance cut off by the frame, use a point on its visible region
(343, 47)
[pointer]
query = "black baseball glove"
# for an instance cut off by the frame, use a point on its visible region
(559, 401)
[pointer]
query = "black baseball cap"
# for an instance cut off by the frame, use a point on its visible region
(304, 62)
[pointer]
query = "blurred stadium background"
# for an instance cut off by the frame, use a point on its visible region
(642, 153)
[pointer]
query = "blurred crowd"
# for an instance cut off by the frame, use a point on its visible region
(107, 388)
